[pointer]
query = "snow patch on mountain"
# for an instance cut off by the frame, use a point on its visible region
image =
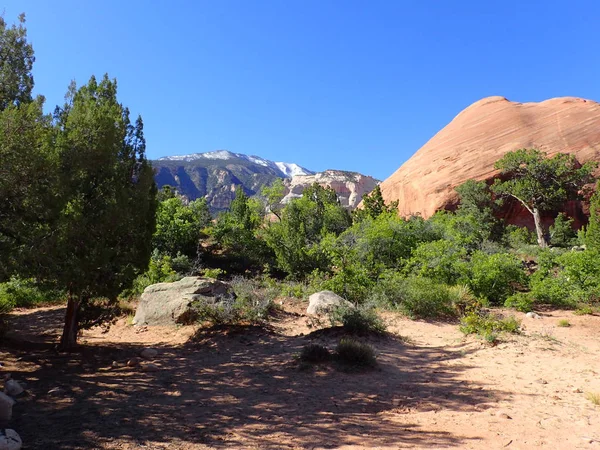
(287, 170)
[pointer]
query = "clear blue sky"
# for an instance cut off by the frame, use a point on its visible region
(353, 85)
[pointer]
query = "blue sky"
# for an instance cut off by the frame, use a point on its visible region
(345, 84)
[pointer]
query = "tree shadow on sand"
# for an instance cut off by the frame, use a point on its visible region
(239, 388)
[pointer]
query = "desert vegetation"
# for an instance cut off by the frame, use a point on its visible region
(83, 226)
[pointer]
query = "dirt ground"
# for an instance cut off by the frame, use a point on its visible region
(242, 388)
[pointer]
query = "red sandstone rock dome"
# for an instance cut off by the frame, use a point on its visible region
(468, 147)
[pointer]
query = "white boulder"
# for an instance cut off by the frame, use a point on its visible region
(322, 302)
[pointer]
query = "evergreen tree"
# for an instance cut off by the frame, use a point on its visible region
(373, 205)
(108, 203)
(540, 183)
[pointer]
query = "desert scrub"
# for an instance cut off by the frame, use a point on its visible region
(251, 304)
(593, 397)
(564, 323)
(488, 325)
(315, 353)
(353, 353)
(18, 292)
(359, 320)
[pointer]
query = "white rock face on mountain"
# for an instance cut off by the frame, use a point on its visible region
(286, 170)
(350, 186)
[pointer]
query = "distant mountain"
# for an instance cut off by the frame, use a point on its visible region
(215, 175)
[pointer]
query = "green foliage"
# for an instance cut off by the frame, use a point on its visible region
(251, 305)
(315, 353)
(355, 354)
(273, 195)
(359, 320)
(540, 183)
(179, 225)
(476, 201)
(373, 206)
(488, 325)
(562, 233)
(564, 323)
(592, 231)
(416, 297)
(16, 64)
(160, 270)
(521, 301)
(295, 239)
(495, 277)
(518, 237)
(237, 232)
(439, 260)
(19, 292)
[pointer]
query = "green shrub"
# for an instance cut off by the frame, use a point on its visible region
(518, 237)
(26, 293)
(488, 325)
(440, 260)
(213, 273)
(495, 277)
(521, 301)
(356, 354)
(251, 305)
(463, 299)
(425, 298)
(315, 353)
(562, 233)
(564, 323)
(360, 320)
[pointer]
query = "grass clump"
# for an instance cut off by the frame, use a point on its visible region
(250, 304)
(488, 326)
(564, 323)
(359, 320)
(353, 353)
(26, 293)
(315, 353)
(593, 397)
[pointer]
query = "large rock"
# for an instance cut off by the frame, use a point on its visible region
(322, 302)
(349, 186)
(468, 147)
(10, 440)
(171, 303)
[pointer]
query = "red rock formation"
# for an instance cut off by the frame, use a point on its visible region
(468, 147)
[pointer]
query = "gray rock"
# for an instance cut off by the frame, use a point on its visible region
(12, 388)
(10, 440)
(322, 302)
(6, 406)
(149, 353)
(532, 315)
(172, 303)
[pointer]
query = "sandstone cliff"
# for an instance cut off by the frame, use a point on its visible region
(468, 147)
(350, 186)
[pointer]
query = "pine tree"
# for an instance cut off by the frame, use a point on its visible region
(592, 231)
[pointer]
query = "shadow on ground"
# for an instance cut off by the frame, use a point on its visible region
(239, 389)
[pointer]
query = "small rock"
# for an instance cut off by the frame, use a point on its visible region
(56, 391)
(149, 367)
(12, 388)
(503, 415)
(532, 315)
(115, 365)
(542, 381)
(133, 362)
(149, 353)
(577, 391)
(10, 440)
(6, 405)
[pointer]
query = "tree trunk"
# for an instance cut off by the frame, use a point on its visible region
(538, 228)
(68, 341)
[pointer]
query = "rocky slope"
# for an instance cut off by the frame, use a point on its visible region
(350, 186)
(215, 175)
(475, 139)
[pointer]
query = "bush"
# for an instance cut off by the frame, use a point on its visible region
(354, 353)
(315, 353)
(26, 293)
(518, 237)
(495, 277)
(251, 305)
(440, 260)
(521, 301)
(416, 297)
(360, 320)
(488, 325)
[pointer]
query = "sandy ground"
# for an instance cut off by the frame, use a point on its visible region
(242, 388)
